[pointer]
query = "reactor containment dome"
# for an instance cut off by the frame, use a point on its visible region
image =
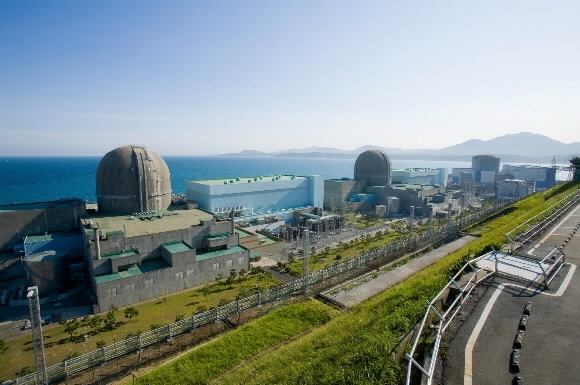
(132, 179)
(374, 166)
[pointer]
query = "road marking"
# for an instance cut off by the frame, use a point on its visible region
(553, 230)
(468, 371)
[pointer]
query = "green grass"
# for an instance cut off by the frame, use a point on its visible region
(358, 347)
(18, 353)
(354, 348)
(215, 358)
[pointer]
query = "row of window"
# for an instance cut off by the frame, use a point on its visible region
(149, 283)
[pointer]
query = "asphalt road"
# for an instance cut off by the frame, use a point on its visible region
(486, 329)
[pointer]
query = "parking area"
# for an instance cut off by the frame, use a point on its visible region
(480, 347)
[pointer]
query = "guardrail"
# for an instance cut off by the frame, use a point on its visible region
(444, 314)
(105, 354)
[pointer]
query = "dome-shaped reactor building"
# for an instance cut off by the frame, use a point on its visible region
(374, 166)
(132, 179)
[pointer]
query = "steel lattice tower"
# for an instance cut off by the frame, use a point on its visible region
(35, 320)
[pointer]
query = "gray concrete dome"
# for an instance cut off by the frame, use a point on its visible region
(374, 166)
(132, 179)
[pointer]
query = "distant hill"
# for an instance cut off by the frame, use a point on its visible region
(522, 147)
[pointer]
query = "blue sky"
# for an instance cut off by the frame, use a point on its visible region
(213, 77)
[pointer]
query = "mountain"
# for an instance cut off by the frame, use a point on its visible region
(522, 147)
(524, 144)
(249, 153)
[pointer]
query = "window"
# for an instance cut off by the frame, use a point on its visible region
(130, 287)
(179, 275)
(229, 263)
(216, 266)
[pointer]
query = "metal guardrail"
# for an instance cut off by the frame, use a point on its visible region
(101, 356)
(480, 274)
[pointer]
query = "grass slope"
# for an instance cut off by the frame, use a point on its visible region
(358, 347)
(215, 358)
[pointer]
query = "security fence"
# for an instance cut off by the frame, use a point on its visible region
(479, 269)
(297, 286)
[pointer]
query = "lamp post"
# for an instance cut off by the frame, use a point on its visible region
(306, 270)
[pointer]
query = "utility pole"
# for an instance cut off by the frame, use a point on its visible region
(305, 234)
(411, 218)
(37, 343)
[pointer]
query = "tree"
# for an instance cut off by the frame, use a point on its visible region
(242, 294)
(575, 164)
(100, 344)
(231, 278)
(95, 323)
(205, 290)
(71, 326)
(131, 312)
(110, 318)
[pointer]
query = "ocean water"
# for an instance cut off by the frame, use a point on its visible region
(40, 179)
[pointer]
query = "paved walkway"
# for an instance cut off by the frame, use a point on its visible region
(390, 278)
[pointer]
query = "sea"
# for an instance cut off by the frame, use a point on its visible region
(42, 179)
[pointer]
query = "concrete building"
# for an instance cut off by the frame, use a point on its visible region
(374, 185)
(461, 175)
(132, 179)
(542, 177)
(514, 188)
(20, 220)
(485, 169)
(373, 168)
(136, 258)
(41, 245)
(132, 247)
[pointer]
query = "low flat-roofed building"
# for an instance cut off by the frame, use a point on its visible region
(258, 195)
(461, 175)
(19, 220)
(133, 258)
(514, 188)
(337, 191)
(543, 177)
(426, 176)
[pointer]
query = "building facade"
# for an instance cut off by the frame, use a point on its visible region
(257, 196)
(425, 176)
(542, 177)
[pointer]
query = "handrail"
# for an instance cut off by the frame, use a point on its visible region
(100, 356)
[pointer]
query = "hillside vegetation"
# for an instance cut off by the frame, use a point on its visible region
(356, 347)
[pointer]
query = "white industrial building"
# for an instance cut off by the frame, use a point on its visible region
(514, 188)
(543, 177)
(425, 176)
(258, 195)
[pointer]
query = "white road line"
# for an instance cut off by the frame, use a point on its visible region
(468, 371)
(553, 230)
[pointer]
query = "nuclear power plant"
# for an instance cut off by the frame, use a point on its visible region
(137, 243)
(133, 246)
(373, 188)
(132, 179)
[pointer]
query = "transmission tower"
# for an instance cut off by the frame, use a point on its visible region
(306, 266)
(39, 361)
